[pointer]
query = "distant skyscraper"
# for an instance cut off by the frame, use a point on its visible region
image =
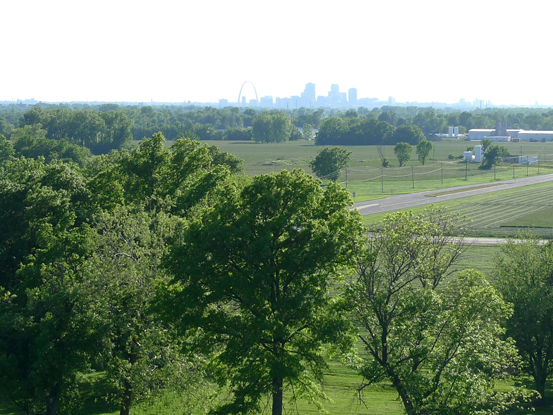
(352, 95)
(391, 101)
(334, 90)
(309, 92)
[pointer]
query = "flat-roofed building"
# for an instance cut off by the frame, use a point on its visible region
(529, 135)
(480, 133)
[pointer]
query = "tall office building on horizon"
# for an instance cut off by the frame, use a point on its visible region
(352, 96)
(309, 92)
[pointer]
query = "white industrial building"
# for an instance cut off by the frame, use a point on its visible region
(521, 135)
(529, 135)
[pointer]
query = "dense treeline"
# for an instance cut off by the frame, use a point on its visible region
(167, 270)
(104, 127)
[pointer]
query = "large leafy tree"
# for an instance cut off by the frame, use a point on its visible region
(524, 273)
(424, 147)
(47, 333)
(403, 153)
(408, 134)
(271, 127)
(143, 356)
(329, 162)
(253, 274)
(439, 345)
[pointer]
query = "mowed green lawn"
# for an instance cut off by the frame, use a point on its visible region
(368, 180)
(499, 214)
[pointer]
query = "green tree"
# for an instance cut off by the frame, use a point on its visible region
(493, 156)
(424, 147)
(48, 333)
(271, 127)
(403, 153)
(486, 143)
(5, 128)
(524, 273)
(407, 133)
(329, 162)
(253, 274)
(142, 357)
(6, 149)
(307, 130)
(439, 345)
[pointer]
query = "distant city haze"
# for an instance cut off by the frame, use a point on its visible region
(427, 51)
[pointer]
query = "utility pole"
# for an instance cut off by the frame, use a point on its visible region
(346, 178)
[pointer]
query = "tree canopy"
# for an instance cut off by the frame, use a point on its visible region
(254, 272)
(403, 153)
(416, 329)
(524, 273)
(329, 162)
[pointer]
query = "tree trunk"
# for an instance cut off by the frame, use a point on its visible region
(540, 388)
(128, 394)
(277, 396)
(405, 398)
(53, 400)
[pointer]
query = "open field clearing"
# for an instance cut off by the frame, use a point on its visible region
(500, 214)
(369, 181)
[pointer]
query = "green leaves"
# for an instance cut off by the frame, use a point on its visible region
(329, 162)
(254, 272)
(440, 347)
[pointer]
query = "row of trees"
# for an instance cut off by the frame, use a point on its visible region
(365, 131)
(109, 126)
(98, 131)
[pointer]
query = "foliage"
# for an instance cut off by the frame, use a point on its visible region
(5, 128)
(424, 148)
(30, 142)
(142, 356)
(440, 347)
(308, 131)
(403, 153)
(329, 162)
(48, 332)
(407, 134)
(98, 131)
(6, 150)
(271, 127)
(353, 131)
(238, 133)
(253, 274)
(524, 273)
(493, 155)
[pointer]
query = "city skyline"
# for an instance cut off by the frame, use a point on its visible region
(426, 51)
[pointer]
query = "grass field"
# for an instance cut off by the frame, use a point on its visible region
(500, 214)
(369, 181)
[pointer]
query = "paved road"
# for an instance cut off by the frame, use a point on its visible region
(419, 199)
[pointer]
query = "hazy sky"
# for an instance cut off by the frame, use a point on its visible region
(168, 50)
